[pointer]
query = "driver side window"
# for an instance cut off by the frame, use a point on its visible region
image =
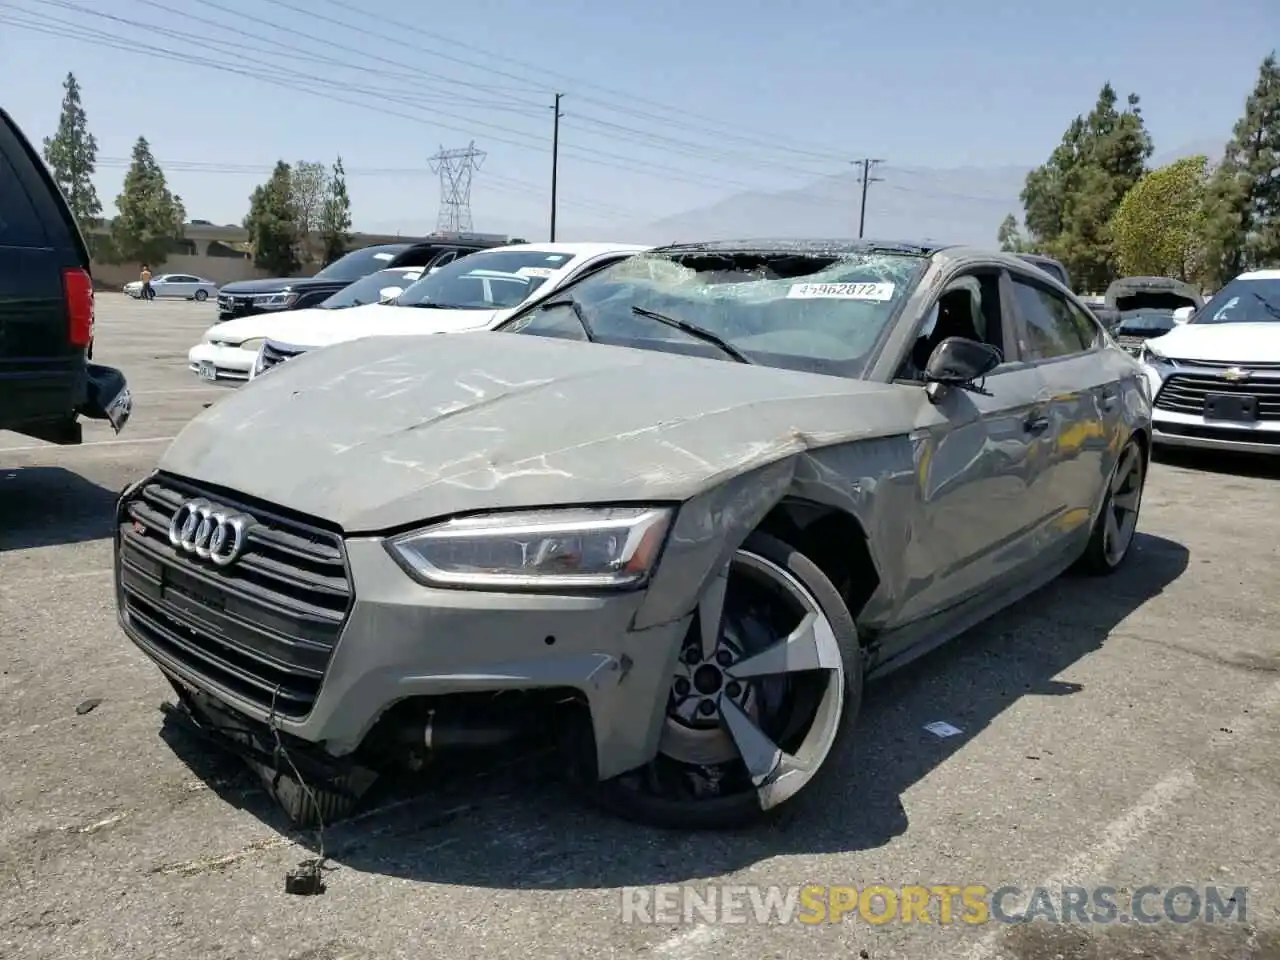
(969, 307)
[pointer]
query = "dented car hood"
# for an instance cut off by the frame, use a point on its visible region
(391, 431)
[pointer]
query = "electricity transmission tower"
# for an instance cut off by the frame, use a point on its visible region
(456, 168)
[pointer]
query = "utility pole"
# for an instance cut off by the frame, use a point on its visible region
(866, 163)
(555, 161)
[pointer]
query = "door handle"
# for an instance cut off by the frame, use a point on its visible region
(1036, 423)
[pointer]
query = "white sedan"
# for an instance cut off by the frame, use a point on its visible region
(1216, 377)
(180, 286)
(229, 349)
(475, 292)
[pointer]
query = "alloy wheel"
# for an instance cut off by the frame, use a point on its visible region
(757, 699)
(1125, 497)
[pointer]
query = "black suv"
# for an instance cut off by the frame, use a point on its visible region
(46, 307)
(248, 297)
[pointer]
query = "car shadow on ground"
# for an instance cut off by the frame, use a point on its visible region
(49, 506)
(1224, 463)
(516, 826)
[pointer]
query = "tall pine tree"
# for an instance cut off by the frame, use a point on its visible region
(1070, 201)
(272, 223)
(72, 155)
(335, 215)
(150, 217)
(1242, 227)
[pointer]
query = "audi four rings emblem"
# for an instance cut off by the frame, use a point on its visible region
(209, 532)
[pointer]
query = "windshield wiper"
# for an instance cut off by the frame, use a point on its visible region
(432, 305)
(695, 331)
(578, 312)
(1267, 305)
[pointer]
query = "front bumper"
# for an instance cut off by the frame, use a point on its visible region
(397, 640)
(225, 363)
(1178, 417)
(1195, 432)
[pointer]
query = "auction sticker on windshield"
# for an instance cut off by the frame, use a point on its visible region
(841, 291)
(543, 272)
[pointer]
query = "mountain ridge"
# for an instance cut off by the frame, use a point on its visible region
(955, 204)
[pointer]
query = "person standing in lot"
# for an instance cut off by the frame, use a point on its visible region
(148, 292)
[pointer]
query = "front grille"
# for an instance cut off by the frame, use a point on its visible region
(1185, 392)
(262, 628)
(277, 353)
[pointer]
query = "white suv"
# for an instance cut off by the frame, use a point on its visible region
(1216, 377)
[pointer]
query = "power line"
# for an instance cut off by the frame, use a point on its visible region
(70, 30)
(456, 169)
(289, 78)
(617, 161)
(715, 126)
(866, 180)
(384, 38)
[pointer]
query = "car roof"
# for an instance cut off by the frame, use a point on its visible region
(584, 249)
(925, 249)
(807, 246)
(384, 246)
(1260, 275)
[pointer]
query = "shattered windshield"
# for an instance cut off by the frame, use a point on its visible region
(820, 312)
(1243, 301)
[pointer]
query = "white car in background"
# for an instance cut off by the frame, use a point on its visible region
(475, 292)
(1215, 377)
(181, 286)
(228, 349)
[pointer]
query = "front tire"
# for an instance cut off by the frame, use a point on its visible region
(202, 296)
(768, 686)
(1117, 523)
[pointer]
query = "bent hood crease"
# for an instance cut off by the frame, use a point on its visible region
(383, 432)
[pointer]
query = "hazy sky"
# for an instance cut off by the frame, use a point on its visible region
(668, 105)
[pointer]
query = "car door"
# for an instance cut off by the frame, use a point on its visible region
(972, 529)
(182, 285)
(1082, 379)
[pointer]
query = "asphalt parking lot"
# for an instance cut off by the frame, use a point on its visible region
(1122, 732)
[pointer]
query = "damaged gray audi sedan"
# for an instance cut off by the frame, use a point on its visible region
(677, 513)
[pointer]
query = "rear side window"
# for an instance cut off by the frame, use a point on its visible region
(19, 222)
(1049, 328)
(1090, 332)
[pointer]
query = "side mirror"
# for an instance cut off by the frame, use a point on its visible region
(1183, 314)
(958, 362)
(387, 294)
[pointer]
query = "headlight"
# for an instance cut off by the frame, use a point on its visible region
(1149, 354)
(608, 547)
(277, 301)
(253, 345)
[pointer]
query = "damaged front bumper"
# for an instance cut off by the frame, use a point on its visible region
(403, 642)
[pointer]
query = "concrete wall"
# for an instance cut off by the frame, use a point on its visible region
(226, 263)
